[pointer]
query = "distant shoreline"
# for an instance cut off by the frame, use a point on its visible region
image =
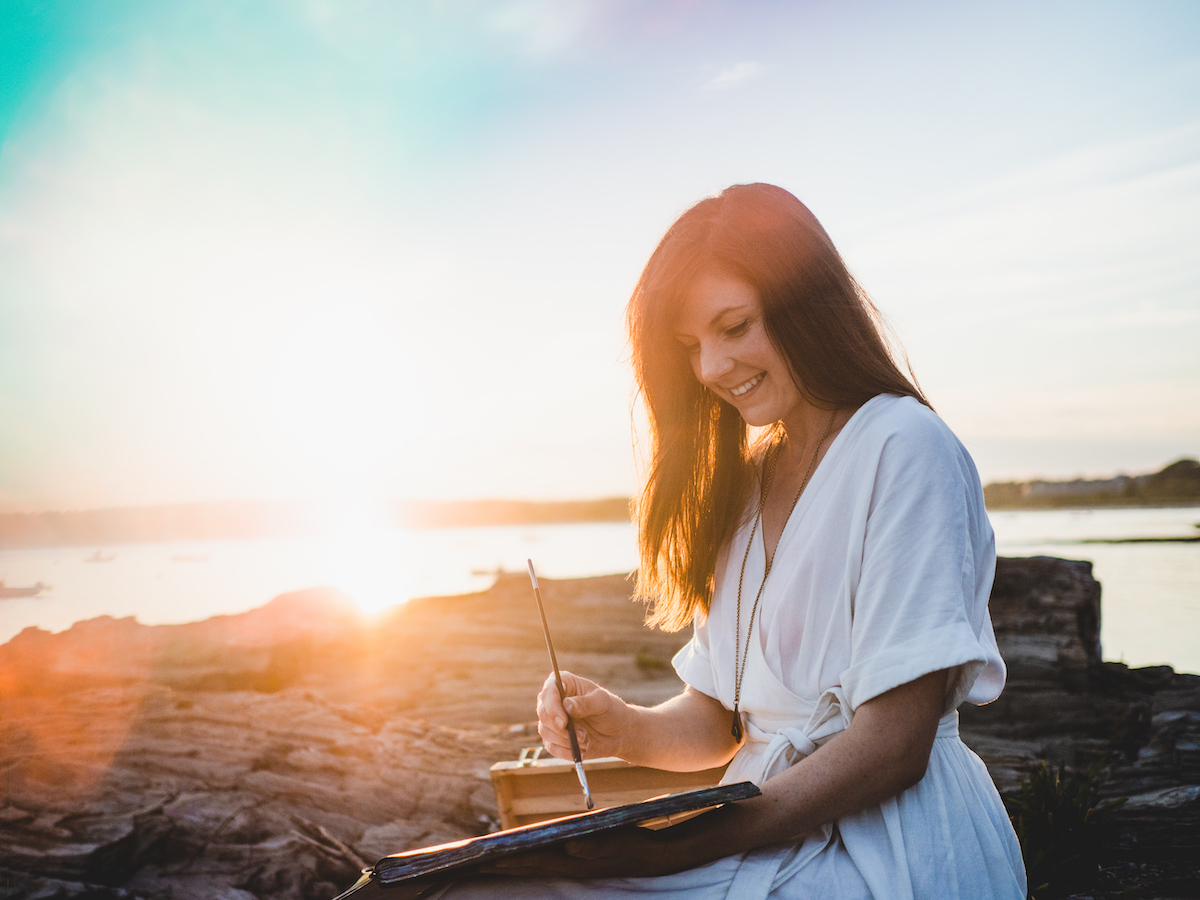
(238, 520)
(242, 520)
(1175, 485)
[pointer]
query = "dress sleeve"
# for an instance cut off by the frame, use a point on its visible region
(693, 662)
(920, 603)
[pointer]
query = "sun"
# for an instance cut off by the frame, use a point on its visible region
(368, 559)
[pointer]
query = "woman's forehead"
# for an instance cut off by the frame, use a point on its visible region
(710, 297)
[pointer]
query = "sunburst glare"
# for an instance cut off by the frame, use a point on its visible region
(367, 557)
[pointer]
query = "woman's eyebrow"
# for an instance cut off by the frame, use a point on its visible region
(740, 308)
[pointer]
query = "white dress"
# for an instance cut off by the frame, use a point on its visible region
(882, 575)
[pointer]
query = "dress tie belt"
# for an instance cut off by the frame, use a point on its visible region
(788, 745)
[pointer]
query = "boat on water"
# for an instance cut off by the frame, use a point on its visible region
(190, 557)
(12, 593)
(497, 572)
(100, 556)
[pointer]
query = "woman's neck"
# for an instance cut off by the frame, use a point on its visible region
(805, 443)
(803, 429)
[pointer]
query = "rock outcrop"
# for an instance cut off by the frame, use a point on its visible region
(1139, 727)
(273, 754)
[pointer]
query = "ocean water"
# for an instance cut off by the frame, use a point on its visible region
(380, 567)
(1151, 591)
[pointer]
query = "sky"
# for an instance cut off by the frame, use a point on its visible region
(310, 249)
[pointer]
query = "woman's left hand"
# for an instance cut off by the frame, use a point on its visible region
(630, 852)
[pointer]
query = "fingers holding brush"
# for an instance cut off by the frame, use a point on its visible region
(599, 715)
(552, 717)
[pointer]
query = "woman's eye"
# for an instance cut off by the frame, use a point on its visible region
(738, 330)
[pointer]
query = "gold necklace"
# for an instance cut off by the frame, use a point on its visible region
(739, 669)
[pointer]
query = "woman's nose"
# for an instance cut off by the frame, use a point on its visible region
(712, 363)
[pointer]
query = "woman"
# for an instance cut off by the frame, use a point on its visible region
(837, 571)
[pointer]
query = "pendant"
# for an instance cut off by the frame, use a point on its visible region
(736, 730)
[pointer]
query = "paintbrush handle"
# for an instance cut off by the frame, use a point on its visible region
(537, 595)
(562, 691)
(575, 754)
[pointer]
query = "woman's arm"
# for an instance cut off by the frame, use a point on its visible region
(689, 732)
(884, 751)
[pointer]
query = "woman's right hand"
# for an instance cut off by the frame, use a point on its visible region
(601, 718)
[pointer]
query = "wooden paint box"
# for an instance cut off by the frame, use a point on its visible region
(534, 788)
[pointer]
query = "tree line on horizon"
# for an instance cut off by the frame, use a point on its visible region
(1176, 483)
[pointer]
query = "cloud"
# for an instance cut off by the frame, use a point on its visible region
(542, 29)
(1090, 233)
(731, 76)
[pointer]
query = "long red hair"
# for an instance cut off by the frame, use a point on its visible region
(700, 464)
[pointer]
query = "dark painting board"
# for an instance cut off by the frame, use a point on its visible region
(473, 852)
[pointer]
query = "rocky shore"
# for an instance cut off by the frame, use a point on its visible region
(273, 754)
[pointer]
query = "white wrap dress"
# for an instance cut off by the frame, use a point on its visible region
(881, 575)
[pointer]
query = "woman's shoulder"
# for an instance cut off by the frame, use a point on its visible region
(904, 444)
(898, 422)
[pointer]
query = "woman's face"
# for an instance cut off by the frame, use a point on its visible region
(721, 326)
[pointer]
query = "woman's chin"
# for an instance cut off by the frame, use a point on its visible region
(757, 418)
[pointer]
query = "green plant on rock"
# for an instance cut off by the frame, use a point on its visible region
(648, 662)
(1055, 817)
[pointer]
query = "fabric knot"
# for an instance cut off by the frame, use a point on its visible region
(787, 746)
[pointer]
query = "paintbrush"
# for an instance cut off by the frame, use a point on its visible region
(562, 692)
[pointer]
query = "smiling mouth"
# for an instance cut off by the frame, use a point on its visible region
(752, 383)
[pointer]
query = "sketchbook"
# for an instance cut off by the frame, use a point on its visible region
(460, 856)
